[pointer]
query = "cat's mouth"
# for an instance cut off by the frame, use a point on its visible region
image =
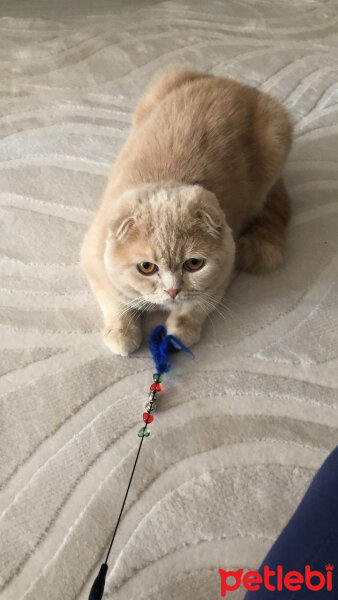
(182, 299)
(171, 301)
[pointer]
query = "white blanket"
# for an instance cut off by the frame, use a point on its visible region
(241, 429)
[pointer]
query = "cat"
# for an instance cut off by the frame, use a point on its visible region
(195, 192)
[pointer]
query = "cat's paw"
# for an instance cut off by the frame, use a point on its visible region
(188, 331)
(124, 340)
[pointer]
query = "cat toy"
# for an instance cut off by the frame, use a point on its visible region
(161, 345)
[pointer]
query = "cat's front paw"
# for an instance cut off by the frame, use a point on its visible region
(123, 340)
(187, 330)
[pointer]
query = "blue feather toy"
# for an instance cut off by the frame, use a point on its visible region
(162, 344)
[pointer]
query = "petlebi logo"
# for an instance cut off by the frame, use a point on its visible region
(277, 580)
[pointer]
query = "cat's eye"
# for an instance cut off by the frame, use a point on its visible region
(147, 268)
(194, 264)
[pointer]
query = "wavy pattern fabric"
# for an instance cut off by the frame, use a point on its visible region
(242, 428)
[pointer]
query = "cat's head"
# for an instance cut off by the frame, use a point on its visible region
(169, 245)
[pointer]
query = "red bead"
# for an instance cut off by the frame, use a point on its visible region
(147, 418)
(156, 386)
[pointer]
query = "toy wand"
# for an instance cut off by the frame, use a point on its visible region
(161, 345)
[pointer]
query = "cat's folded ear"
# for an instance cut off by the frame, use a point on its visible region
(212, 221)
(124, 217)
(209, 213)
(121, 227)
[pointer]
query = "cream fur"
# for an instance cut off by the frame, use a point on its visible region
(198, 175)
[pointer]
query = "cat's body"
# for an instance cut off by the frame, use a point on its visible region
(199, 173)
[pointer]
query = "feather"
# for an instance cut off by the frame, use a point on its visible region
(161, 345)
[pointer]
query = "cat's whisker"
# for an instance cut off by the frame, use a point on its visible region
(141, 312)
(231, 301)
(214, 306)
(223, 304)
(213, 300)
(208, 315)
(132, 318)
(138, 311)
(133, 304)
(220, 299)
(212, 322)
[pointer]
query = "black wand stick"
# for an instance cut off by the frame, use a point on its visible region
(97, 588)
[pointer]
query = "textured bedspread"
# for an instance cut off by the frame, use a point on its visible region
(242, 428)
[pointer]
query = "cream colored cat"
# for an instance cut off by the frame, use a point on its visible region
(195, 190)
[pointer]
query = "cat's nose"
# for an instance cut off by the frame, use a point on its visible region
(172, 293)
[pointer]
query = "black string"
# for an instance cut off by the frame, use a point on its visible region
(97, 588)
(127, 491)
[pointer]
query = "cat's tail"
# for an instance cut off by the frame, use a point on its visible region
(261, 247)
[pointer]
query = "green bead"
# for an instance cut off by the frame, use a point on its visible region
(144, 431)
(157, 377)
